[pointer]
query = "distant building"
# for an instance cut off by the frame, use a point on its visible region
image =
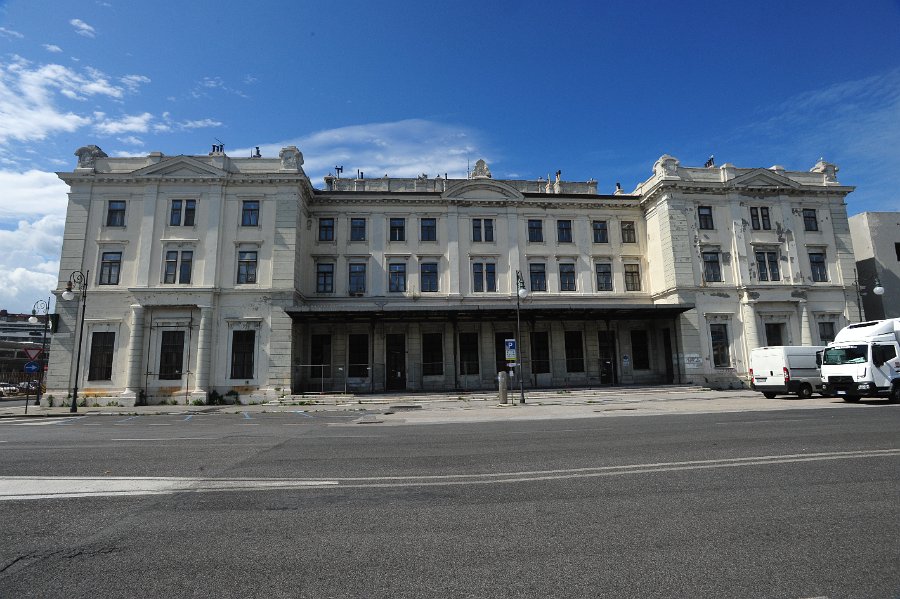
(213, 273)
(876, 242)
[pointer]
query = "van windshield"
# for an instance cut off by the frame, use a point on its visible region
(849, 354)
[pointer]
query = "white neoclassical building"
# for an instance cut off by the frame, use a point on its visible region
(213, 273)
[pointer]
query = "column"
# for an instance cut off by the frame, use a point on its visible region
(135, 355)
(204, 346)
(805, 331)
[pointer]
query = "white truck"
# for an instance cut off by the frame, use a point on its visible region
(864, 361)
(786, 369)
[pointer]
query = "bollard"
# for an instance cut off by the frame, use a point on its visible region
(501, 382)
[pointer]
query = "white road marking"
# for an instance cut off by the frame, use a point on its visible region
(47, 487)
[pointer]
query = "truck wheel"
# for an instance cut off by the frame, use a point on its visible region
(851, 398)
(805, 391)
(894, 397)
(769, 395)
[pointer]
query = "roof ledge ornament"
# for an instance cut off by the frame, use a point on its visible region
(87, 156)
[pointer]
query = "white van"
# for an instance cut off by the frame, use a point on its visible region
(786, 369)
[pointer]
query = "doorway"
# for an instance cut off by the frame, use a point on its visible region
(608, 374)
(395, 362)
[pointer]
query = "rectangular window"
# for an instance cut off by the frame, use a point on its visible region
(357, 229)
(397, 278)
(540, 352)
(326, 229)
(432, 354)
(538, 275)
(766, 223)
(712, 271)
(324, 278)
(826, 332)
(818, 267)
(100, 367)
(535, 231)
(110, 266)
(428, 228)
(428, 276)
(564, 231)
(632, 277)
(398, 229)
(640, 350)
(320, 356)
(705, 215)
(754, 218)
(358, 355)
(601, 232)
(810, 222)
(604, 276)
(567, 277)
(115, 213)
(574, 352)
(476, 229)
(357, 283)
(243, 345)
(246, 267)
(250, 213)
(489, 229)
(180, 264)
(190, 212)
(171, 355)
(468, 353)
(718, 334)
(175, 214)
(628, 234)
(767, 265)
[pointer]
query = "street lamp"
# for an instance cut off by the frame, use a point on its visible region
(77, 281)
(44, 308)
(521, 293)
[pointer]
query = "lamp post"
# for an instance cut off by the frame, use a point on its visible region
(521, 293)
(77, 282)
(44, 308)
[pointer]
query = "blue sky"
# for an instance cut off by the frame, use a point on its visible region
(409, 87)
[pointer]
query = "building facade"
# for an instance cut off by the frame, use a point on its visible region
(212, 273)
(876, 241)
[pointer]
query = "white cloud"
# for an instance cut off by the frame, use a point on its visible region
(138, 123)
(82, 28)
(52, 48)
(10, 33)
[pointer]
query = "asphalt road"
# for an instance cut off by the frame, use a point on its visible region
(794, 504)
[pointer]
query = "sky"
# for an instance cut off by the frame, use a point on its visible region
(594, 89)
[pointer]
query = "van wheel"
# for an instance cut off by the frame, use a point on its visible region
(805, 391)
(851, 398)
(768, 395)
(894, 397)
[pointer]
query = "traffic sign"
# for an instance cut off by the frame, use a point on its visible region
(32, 352)
(32, 367)
(510, 349)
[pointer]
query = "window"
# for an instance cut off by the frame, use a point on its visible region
(810, 223)
(171, 355)
(574, 352)
(320, 356)
(243, 344)
(246, 267)
(705, 215)
(100, 367)
(535, 231)
(538, 277)
(357, 229)
(604, 276)
(540, 352)
(468, 353)
(326, 229)
(428, 276)
(601, 232)
(632, 277)
(826, 332)
(818, 267)
(712, 271)
(767, 265)
(628, 235)
(397, 278)
(432, 354)
(115, 213)
(484, 277)
(567, 277)
(110, 266)
(357, 283)
(564, 231)
(640, 350)
(398, 229)
(180, 264)
(756, 214)
(250, 213)
(324, 278)
(358, 355)
(177, 216)
(428, 228)
(718, 334)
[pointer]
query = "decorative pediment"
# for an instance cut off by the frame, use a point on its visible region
(482, 190)
(763, 179)
(180, 166)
